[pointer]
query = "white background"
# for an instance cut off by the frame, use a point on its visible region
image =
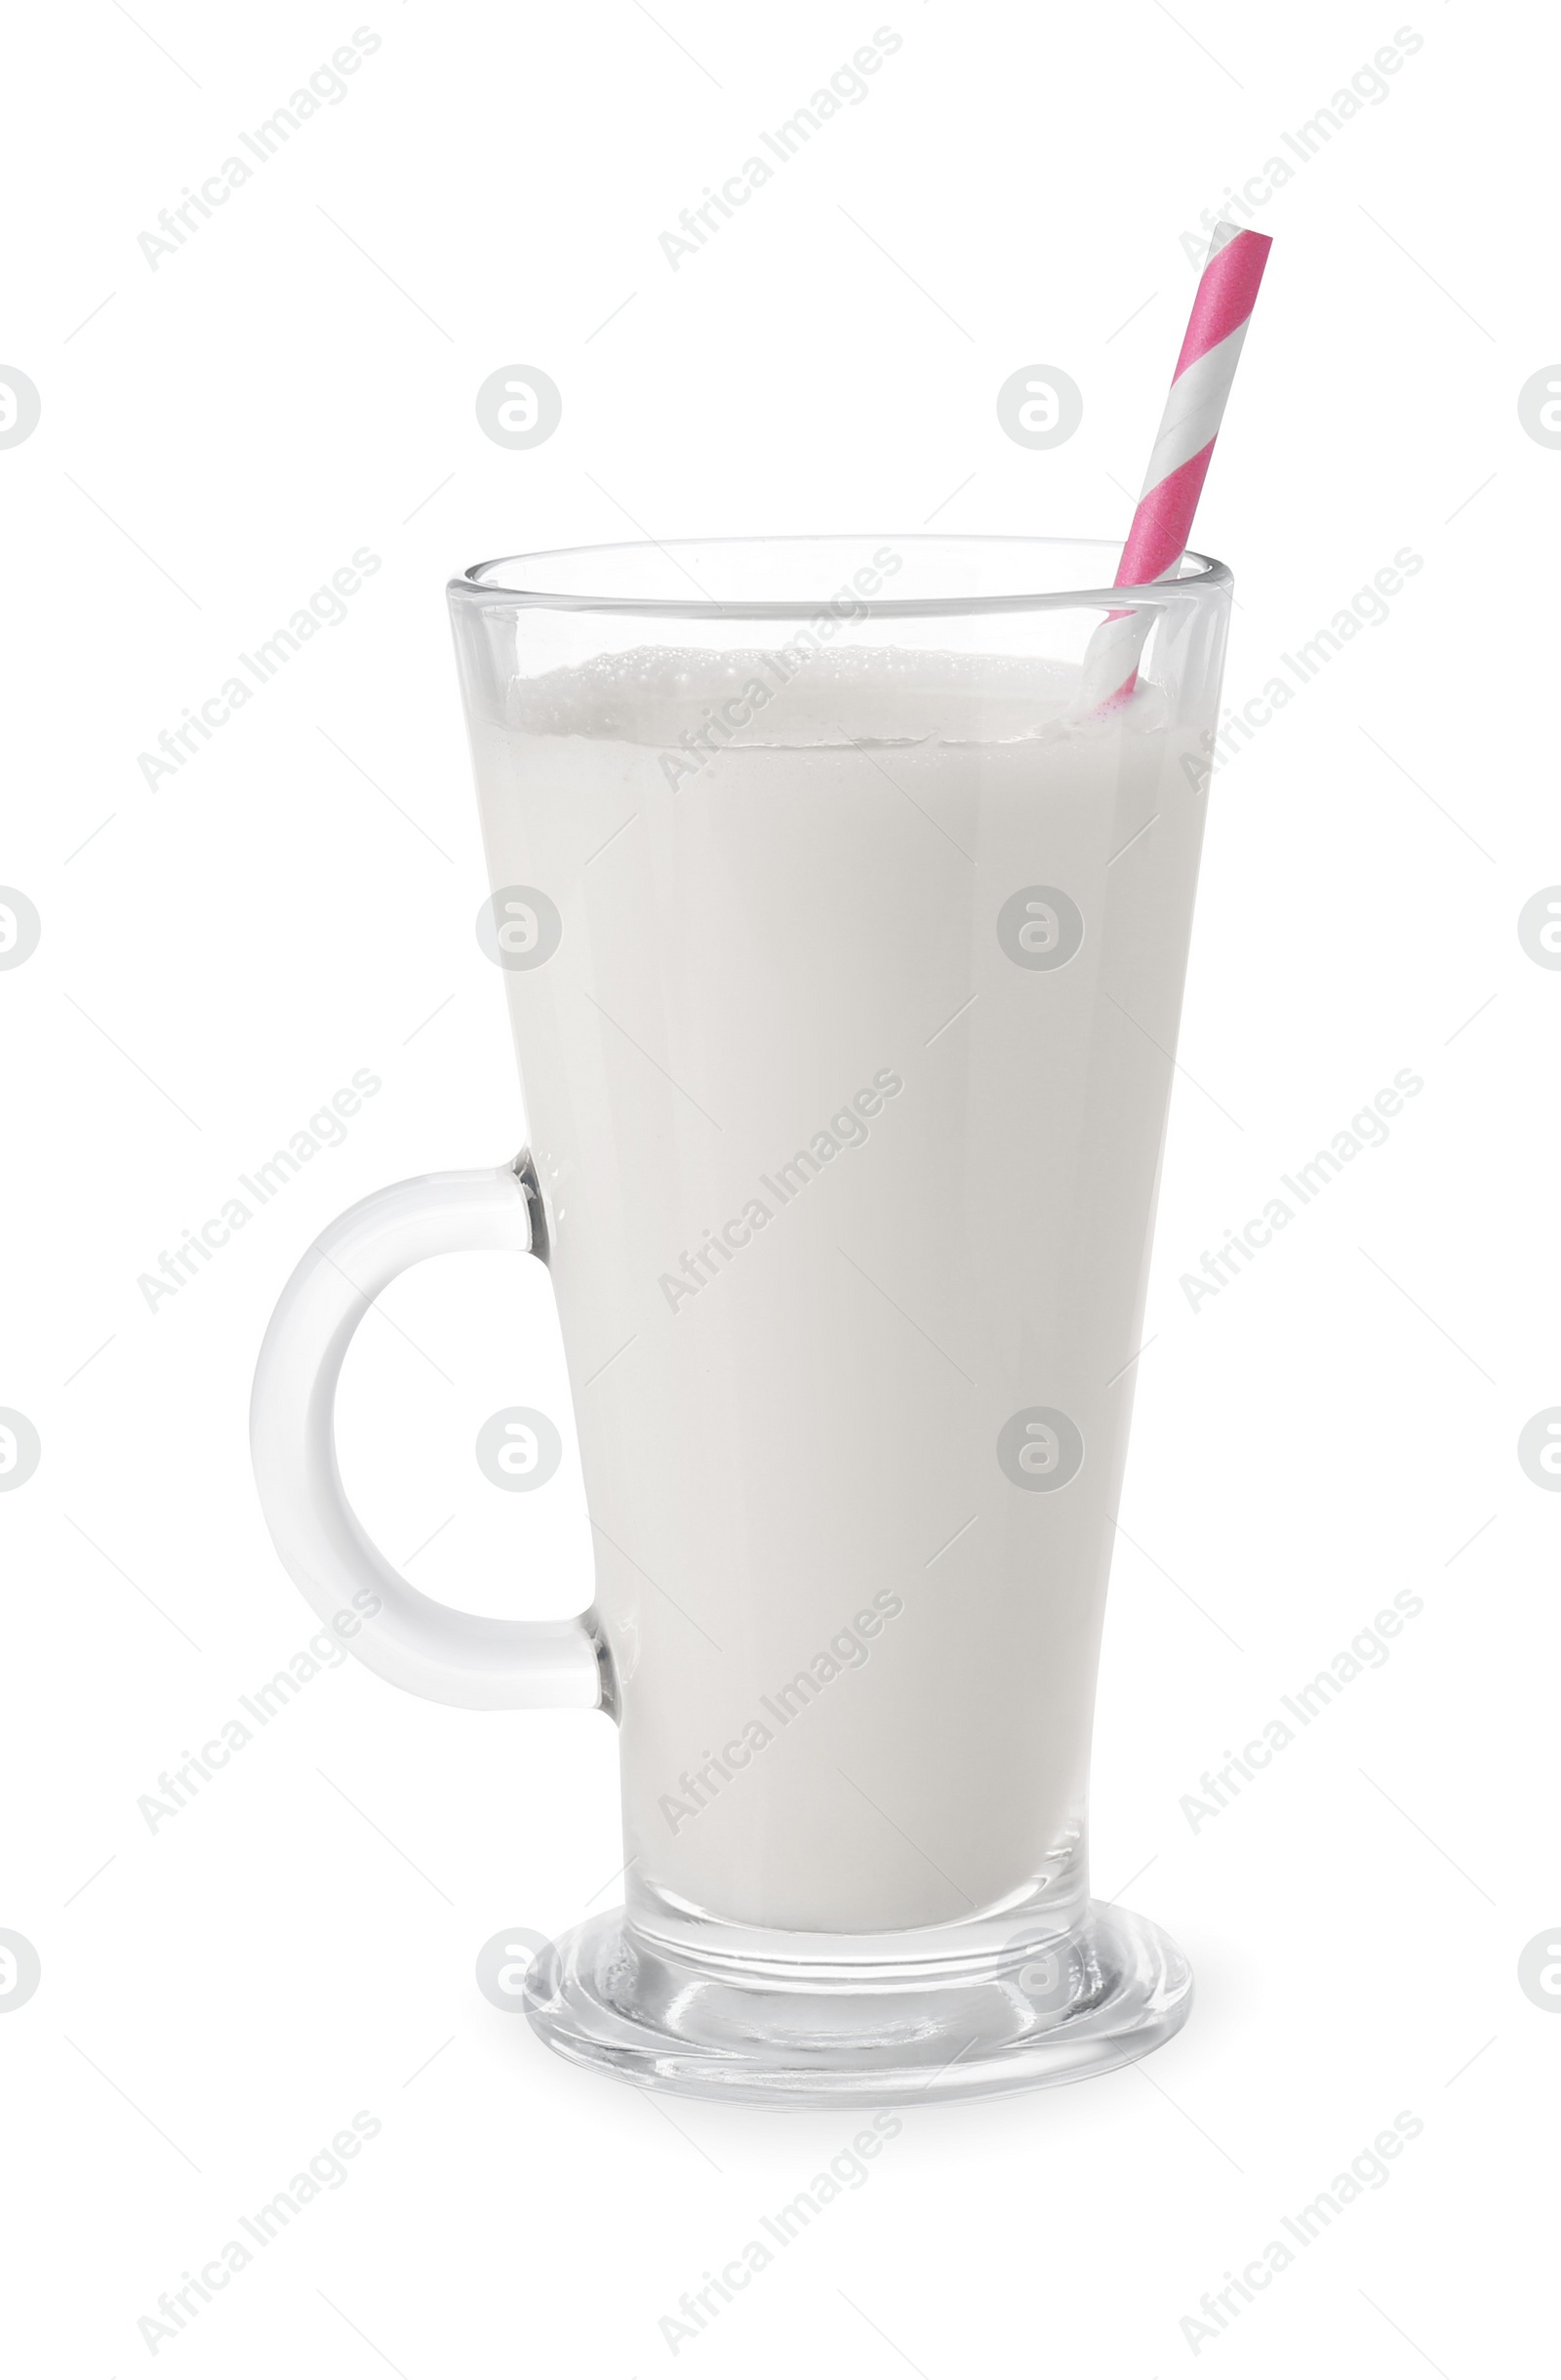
(219, 954)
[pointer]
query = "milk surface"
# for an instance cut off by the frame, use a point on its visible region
(848, 1131)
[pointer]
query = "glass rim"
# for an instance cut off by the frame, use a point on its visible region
(1199, 575)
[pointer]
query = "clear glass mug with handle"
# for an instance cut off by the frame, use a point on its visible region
(845, 951)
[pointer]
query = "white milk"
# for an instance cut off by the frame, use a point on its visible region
(835, 1188)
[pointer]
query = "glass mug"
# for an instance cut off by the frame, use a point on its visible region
(845, 952)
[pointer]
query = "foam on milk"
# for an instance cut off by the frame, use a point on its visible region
(655, 694)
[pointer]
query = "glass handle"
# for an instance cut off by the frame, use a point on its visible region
(449, 1656)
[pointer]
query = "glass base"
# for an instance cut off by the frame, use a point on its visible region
(1103, 1995)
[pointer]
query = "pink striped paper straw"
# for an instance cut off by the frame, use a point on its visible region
(1193, 411)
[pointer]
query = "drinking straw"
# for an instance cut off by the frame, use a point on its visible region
(1228, 291)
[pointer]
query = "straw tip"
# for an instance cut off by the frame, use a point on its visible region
(1224, 233)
